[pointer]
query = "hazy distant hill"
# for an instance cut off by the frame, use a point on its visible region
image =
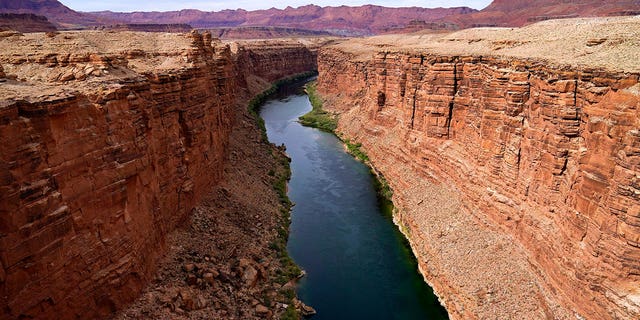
(55, 12)
(362, 20)
(367, 19)
(25, 22)
(515, 13)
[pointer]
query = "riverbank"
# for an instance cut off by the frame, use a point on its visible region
(357, 263)
(327, 121)
(229, 260)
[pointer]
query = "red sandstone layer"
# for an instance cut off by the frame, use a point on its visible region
(108, 141)
(515, 162)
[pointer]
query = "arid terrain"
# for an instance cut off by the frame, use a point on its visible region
(135, 183)
(513, 157)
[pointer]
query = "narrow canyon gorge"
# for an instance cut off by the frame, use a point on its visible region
(513, 155)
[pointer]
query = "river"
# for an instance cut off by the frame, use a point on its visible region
(358, 264)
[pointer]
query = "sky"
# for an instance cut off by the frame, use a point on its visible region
(217, 5)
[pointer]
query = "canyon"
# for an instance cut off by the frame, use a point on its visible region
(513, 154)
(514, 159)
(109, 142)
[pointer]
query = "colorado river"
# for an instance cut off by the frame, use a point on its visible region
(358, 265)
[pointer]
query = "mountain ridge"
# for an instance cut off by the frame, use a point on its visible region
(338, 20)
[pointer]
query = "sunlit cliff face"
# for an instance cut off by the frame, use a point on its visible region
(514, 171)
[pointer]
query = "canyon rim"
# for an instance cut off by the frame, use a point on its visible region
(136, 183)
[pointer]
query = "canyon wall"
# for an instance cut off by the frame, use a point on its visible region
(517, 178)
(108, 142)
(260, 62)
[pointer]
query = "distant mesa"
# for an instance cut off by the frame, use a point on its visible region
(57, 13)
(517, 13)
(265, 32)
(346, 21)
(147, 27)
(349, 21)
(25, 22)
(343, 20)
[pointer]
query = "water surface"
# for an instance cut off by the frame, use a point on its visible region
(357, 262)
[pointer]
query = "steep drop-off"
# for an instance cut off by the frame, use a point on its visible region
(109, 140)
(514, 159)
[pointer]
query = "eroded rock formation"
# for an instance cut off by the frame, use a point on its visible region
(516, 170)
(260, 62)
(108, 142)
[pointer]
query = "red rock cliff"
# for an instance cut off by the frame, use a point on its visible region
(108, 142)
(516, 175)
(260, 62)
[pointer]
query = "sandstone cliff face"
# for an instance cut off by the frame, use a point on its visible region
(108, 141)
(93, 181)
(517, 181)
(260, 62)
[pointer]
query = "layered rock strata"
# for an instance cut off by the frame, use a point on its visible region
(109, 140)
(260, 62)
(515, 172)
